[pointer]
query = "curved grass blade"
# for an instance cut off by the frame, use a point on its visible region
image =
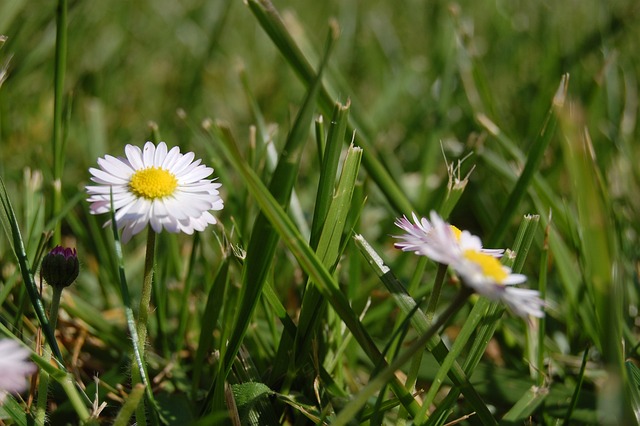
(328, 251)
(10, 224)
(329, 219)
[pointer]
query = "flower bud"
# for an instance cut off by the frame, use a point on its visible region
(60, 267)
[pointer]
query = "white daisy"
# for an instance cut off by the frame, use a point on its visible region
(478, 267)
(14, 367)
(165, 189)
(438, 240)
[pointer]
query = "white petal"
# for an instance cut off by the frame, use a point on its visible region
(148, 153)
(195, 175)
(134, 155)
(161, 153)
(160, 208)
(182, 163)
(107, 178)
(116, 166)
(524, 302)
(172, 156)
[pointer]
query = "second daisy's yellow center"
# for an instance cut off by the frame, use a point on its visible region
(491, 267)
(152, 183)
(456, 232)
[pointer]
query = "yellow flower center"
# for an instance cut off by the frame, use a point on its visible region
(152, 183)
(456, 232)
(491, 267)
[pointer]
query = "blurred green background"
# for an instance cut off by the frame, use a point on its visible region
(399, 62)
(423, 77)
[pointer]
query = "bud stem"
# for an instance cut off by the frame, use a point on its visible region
(55, 306)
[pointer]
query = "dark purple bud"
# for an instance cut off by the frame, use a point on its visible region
(60, 267)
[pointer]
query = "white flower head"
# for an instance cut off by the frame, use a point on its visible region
(438, 240)
(155, 186)
(478, 267)
(14, 367)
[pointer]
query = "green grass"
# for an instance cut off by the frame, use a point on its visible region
(325, 121)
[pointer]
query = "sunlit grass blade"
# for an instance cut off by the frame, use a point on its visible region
(538, 350)
(267, 15)
(331, 156)
(328, 251)
(266, 150)
(14, 410)
(308, 260)
(386, 373)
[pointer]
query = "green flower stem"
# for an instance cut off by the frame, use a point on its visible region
(145, 298)
(43, 385)
(55, 306)
(143, 317)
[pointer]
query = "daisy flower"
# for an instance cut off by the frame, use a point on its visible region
(438, 240)
(155, 186)
(478, 267)
(14, 367)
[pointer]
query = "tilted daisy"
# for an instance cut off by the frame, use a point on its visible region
(155, 186)
(438, 240)
(14, 367)
(478, 267)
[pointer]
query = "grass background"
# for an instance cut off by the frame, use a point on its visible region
(422, 79)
